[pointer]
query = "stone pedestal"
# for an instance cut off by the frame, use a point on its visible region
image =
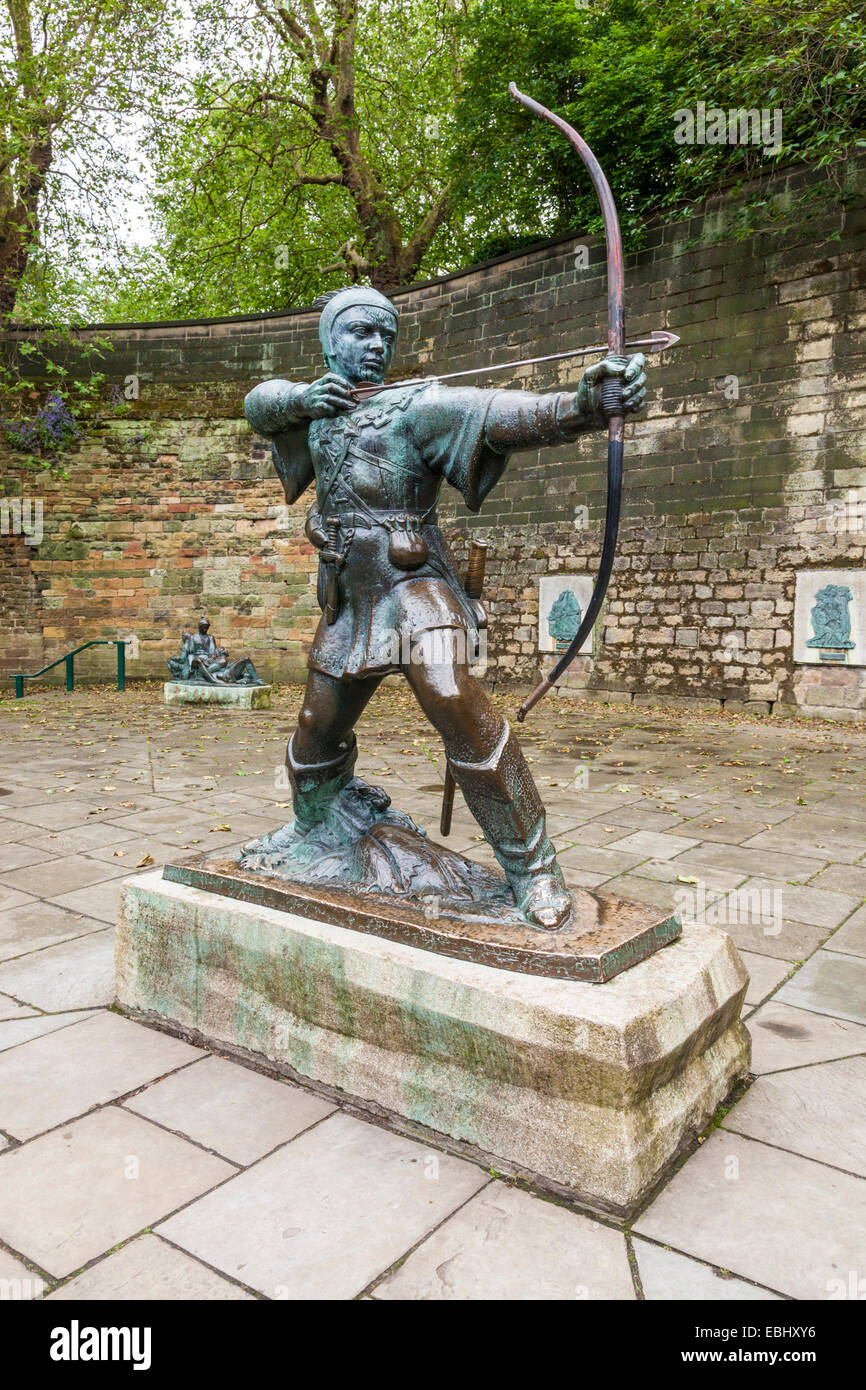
(237, 696)
(590, 1090)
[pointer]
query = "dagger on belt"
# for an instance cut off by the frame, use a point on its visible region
(474, 586)
(334, 562)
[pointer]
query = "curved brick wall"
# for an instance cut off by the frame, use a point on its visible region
(174, 508)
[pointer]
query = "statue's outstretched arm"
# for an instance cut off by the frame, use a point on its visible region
(273, 406)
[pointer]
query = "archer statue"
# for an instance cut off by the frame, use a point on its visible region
(386, 579)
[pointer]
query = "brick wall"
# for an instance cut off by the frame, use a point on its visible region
(751, 451)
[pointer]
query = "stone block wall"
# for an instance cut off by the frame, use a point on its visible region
(749, 465)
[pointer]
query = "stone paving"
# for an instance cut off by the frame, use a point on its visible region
(133, 1165)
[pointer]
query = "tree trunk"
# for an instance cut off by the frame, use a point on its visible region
(20, 225)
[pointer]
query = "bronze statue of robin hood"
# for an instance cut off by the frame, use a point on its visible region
(386, 580)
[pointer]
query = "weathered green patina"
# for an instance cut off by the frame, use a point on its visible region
(202, 661)
(831, 618)
(392, 600)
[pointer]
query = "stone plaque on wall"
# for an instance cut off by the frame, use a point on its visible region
(830, 618)
(562, 602)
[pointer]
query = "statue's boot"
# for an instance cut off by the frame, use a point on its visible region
(315, 786)
(503, 798)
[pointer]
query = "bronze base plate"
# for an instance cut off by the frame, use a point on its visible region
(607, 934)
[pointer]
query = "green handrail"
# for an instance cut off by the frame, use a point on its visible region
(22, 676)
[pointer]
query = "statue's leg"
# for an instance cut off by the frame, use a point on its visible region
(498, 787)
(240, 670)
(321, 754)
(199, 670)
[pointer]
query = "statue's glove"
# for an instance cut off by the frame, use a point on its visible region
(587, 405)
(329, 395)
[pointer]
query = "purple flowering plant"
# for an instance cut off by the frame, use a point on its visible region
(70, 405)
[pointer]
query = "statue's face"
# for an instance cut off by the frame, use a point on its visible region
(203, 627)
(362, 343)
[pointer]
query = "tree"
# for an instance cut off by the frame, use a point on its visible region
(312, 146)
(619, 70)
(71, 72)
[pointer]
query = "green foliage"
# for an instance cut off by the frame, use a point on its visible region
(50, 394)
(256, 210)
(296, 144)
(619, 71)
(78, 77)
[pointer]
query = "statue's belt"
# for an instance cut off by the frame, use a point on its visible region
(392, 519)
(389, 518)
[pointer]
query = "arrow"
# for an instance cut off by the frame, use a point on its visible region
(657, 341)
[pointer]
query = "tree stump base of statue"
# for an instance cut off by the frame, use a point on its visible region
(581, 1060)
(235, 696)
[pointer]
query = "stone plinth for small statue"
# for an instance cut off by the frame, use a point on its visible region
(586, 1089)
(235, 696)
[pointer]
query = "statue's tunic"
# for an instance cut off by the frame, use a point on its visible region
(378, 470)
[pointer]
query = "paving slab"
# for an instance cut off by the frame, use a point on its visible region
(13, 897)
(77, 1192)
(35, 924)
(20, 1030)
(164, 820)
(816, 1111)
(225, 803)
(11, 1009)
(766, 973)
(650, 845)
(783, 844)
(852, 807)
(13, 830)
(64, 875)
(151, 1270)
(82, 839)
(63, 1074)
(55, 814)
(850, 939)
(644, 822)
(239, 1113)
(594, 859)
(843, 878)
(679, 871)
(100, 901)
(75, 975)
(771, 1217)
(786, 941)
(19, 855)
(668, 1276)
(814, 906)
(664, 896)
(327, 1213)
(794, 868)
(18, 1284)
(829, 983)
(825, 828)
(722, 829)
(509, 1246)
(131, 852)
(784, 1037)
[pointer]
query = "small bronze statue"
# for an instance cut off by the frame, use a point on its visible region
(202, 662)
(388, 585)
